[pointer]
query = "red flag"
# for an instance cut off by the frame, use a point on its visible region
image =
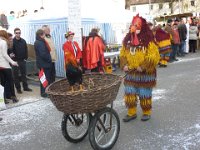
(42, 78)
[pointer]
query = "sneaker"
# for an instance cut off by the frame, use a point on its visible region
(128, 118)
(19, 91)
(28, 89)
(145, 117)
(14, 99)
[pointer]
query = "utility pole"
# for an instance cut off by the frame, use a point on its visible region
(74, 19)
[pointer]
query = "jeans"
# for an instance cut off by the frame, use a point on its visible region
(182, 47)
(175, 48)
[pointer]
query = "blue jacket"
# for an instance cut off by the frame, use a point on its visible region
(43, 57)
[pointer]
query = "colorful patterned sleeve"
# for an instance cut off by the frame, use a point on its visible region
(152, 58)
(122, 57)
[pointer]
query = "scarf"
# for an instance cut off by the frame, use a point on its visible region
(47, 45)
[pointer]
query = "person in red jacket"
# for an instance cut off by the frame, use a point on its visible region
(72, 46)
(93, 52)
(72, 55)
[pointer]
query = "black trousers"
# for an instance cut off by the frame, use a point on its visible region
(7, 82)
(192, 45)
(53, 72)
(21, 69)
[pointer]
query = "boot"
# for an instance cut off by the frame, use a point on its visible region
(145, 117)
(128, 118)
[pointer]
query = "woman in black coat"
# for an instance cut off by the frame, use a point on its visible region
(43, 58)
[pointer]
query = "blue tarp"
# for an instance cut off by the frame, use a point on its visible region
(59, 27)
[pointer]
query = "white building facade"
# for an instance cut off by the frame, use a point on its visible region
(152, 10)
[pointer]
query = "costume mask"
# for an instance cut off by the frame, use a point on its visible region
(135, 29)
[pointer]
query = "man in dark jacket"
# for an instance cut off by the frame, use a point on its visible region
(20, 52)
(183, 35)
(43, 58)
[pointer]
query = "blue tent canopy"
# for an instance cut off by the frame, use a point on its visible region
(59, 26)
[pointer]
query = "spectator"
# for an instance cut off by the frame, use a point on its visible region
(175, 44)
(49, 40)
(72, 46)
(10, 45)
(163, 41)
(8, 94)
(93, 52)
(193, 31)
(43, 58)
(5, 68)
(187, 23)
(72, 55)
(20, 52)
(182, 30)
(3, 21)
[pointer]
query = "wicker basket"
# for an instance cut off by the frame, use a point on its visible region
(100, 90)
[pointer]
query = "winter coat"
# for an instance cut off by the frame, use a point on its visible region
(43, 57)
(20, 49)
(182, 29)
(93, 53)
(176, 36)
(193, 30)
(49, 39)
(4, 58)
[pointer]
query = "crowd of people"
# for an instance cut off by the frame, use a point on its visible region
(14, 53)
(176, 39)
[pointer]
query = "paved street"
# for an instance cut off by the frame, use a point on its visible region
(175, 122)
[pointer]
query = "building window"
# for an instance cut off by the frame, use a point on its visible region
(160, 6)
(134, 8)
(192, 3)
(151, 7)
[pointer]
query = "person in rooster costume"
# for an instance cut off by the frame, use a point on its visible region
(139, 57)
(163, 40)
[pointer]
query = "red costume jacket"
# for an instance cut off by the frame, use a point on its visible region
(68, 46)
(93, 53)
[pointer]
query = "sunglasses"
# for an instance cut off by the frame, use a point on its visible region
(17, 32)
